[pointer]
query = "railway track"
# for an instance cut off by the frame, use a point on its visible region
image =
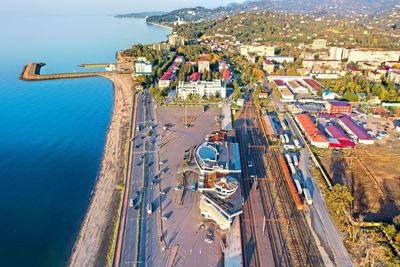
(248, 230)
(306, 249)
(293, 245)
(273, 222)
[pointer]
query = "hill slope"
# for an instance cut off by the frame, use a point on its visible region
(316, 7)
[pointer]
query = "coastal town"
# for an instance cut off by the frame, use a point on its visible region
(247, 153)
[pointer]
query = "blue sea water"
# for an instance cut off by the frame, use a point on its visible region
(52, 133)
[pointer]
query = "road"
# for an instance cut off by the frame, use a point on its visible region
(140, 228)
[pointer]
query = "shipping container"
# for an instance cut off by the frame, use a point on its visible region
(292, 168)
(295, 161)
(298, 186)
(291, 185)
(288, 158)
(307, 196)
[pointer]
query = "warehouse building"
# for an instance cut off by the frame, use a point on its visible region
(311, 131)
(356, 131)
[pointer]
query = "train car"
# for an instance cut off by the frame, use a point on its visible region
(298, 186)
(295, 161)
(307, 196)
(292, 168)
(288, 158)
(284, 124)
(289, 181)
(296, 143)
(287, 140)
(289, 147)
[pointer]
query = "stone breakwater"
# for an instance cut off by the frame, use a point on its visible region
(96, 235)
(31, 72)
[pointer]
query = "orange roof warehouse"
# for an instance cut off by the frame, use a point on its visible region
(314, 135)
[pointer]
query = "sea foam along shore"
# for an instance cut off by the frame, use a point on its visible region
(97, 229)
(160, 25)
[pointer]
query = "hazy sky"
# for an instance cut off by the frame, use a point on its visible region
(111, 7)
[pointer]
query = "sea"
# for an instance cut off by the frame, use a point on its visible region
(52, 133)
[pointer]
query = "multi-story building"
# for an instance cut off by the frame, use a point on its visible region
(377, 55)
(394, 75)
(259, 50)
(281, 59)
(176, 40)
(201, 88)
(322, 63)
(143, 68)
(162, 47)
(203, 65)
(338, 107)
(268, 66)
(218, 161)
(336, 53)
(318, 44)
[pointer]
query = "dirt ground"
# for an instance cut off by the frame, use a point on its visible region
(372, 173)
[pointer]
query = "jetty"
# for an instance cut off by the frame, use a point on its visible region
(31, 72)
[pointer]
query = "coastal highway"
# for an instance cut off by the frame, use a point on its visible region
(140, 232)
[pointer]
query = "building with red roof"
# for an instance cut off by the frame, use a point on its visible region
(226, 75)
(195, 76)
(312, 132)
(340, 138)
(338, 107)
(312, 85)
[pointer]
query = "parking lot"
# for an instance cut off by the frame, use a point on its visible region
(182, 226)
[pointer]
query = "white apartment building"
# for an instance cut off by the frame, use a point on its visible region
(336, 53)
(259, 50)
(319, 44)
(377, 55)
(201, 88)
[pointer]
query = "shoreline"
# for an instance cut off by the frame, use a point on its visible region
(96, 232)
(159, 25)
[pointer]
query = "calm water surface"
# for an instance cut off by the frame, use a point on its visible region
(52, 133)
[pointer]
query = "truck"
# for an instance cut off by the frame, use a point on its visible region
(307, 196)
(149, 208)
(295, 161)
(287, 140)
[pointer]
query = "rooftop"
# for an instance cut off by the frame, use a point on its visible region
(311, 128)
(357, 130)
(337, 103)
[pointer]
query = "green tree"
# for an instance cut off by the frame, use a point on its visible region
(236, 91)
